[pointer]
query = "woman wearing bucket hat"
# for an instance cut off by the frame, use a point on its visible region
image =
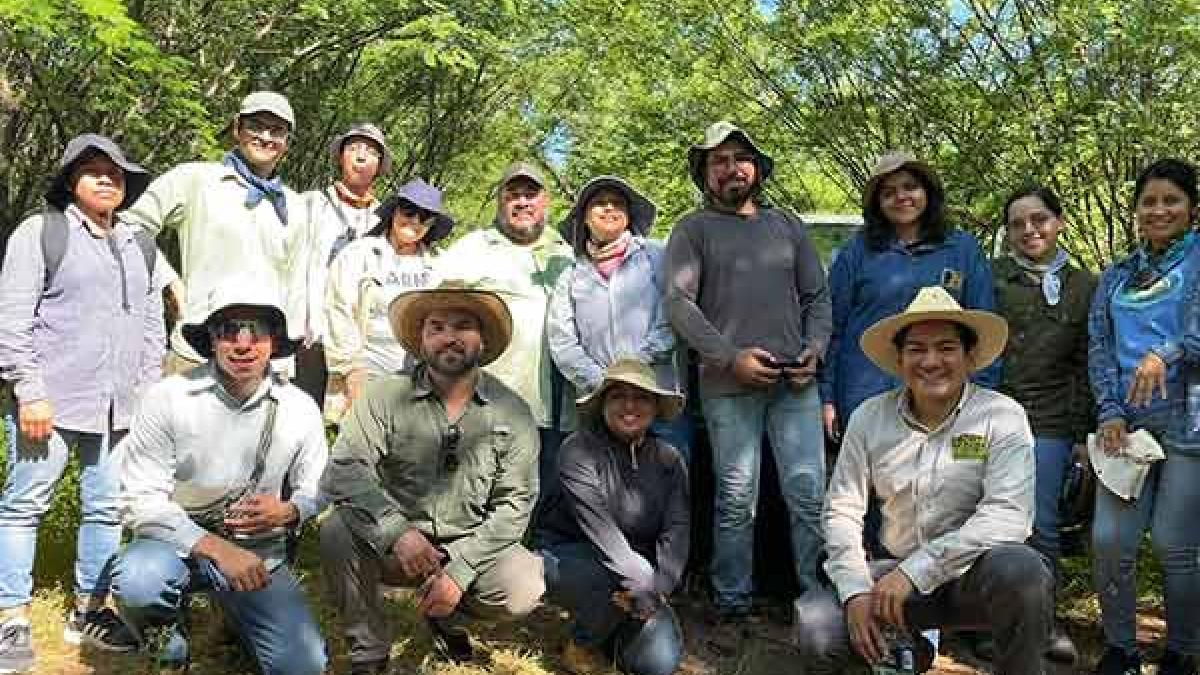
(396, 256)
(1142, 362)
(616, 542)
(81, 333)
(906, 244)
(611, 302)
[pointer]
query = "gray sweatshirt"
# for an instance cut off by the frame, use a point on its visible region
(735, 282)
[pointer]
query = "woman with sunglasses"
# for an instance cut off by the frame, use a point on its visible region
(396, 256)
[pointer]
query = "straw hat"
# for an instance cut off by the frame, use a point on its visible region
(408, 311)
(892, 161)
(632, 371)
(933, 303)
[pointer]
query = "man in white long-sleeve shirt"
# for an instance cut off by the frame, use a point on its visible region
(219, 464)
(952, 464)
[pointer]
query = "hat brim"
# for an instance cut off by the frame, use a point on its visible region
(408, 310)
(385, 162)
(642, 211)
(670, 403)
(990, 329)
(197, 336)
(697, 153)
(137, 179)
(443, 223)
(915, 165)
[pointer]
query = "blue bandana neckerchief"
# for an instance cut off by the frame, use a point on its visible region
(270, 188)
(1149, 268)
(1047, 272)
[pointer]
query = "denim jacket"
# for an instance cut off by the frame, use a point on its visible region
(1181, 354)
(592, 321)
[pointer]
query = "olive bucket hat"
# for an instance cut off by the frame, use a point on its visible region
(59, 194)
(717, 134)
(633, 372)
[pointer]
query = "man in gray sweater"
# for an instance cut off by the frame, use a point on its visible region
(746, 290)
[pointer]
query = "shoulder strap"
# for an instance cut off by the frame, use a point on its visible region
(149, 247)
(264, 446)
(54, 239)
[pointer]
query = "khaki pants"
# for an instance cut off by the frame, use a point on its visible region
(510, 589)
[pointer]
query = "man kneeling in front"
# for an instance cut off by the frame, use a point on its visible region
(952, 464)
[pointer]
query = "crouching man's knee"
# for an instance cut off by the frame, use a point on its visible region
(149, 579)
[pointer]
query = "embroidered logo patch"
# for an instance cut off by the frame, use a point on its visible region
(969, 447)
(952, 280)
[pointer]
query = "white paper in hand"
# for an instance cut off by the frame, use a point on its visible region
(1125, 473)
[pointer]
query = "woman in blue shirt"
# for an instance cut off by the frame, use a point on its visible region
(1143, 355)
(905, 245)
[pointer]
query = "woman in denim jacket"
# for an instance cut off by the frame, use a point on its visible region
(1142, 354)
(610, 305)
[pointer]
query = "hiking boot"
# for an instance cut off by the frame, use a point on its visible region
(451, 643)
(99, 628)
(1117, 661)
(1061, 648)
(578, 659)
(16, 646)
(1174, 663)
(369, 667)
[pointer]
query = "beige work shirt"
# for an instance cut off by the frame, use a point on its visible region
(949, 494)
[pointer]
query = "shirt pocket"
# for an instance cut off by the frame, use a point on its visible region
(960, 486)
(479, 466)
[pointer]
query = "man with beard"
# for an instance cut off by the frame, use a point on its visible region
(746, 290)
(522, 259)
(434, 478)
(235, 216)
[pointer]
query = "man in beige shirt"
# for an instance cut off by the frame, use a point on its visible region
(952, 465)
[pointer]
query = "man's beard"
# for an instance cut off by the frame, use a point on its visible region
(732, 197)
(451, 362)
(523, 236)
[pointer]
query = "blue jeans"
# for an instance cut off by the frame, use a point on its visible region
(1053, 456)
(1169, 504)
(152, 585)
(33, 473)
(792, 422)
(679, 433)
(577, 581)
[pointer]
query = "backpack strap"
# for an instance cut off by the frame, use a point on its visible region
(149, 247)
(54, 242)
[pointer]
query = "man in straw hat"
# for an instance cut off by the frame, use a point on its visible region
(220, 464)
(952, 464)
(338, 215)
(746, 290)
(434, 477)
(233, 216)
(616, 542)
(78, 342)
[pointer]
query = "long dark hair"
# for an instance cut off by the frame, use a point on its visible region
(1179, 173)
(932, 227)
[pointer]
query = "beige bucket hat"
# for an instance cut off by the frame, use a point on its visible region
(933, 303)
(632, 371)
(408, 311)
(892, 161)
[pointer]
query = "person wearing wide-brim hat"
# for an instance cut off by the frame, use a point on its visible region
(906, 243)
(81, 332)
(611, 304)
(447, 507)
(611, 566)
(339, 213)
(746, 290)
(952, 464)
(220, 468)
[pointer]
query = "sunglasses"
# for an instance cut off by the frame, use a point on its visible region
(409, 210)
(450, 440)
(231, 329)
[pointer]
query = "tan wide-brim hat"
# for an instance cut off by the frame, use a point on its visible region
(892, 161)
(633, 372)
(408, 311)
(933, 303)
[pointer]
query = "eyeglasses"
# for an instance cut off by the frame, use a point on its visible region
(231, 329)
(262, 128)
(409, 210)
(366, 147)
(450, 440)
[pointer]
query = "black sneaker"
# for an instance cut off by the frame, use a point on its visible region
(1173, 663)
(99, 628)
(1117, 661)
(16, 646)
(1061, 648)
(451, 643)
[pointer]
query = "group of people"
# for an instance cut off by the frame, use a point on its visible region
(512, 425)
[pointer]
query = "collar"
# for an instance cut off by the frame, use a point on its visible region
(348, 198)
(550, 237)
(422, 385)
(77, 217)
(204, 379)
(904, 410)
